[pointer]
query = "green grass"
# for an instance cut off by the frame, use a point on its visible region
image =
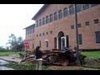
(93, 55)
(27, 66)
(9, 54)
(94, 67)
(17, 66)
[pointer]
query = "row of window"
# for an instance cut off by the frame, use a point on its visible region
(44, 33)
(46, 43)
(30, 29)
(97, 36)
(63, 13)
(87, 23)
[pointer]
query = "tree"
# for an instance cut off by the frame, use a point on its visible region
(12, 41)
(15, 43)
(20, 44)
(1, 48)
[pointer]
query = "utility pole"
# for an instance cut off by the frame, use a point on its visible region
(77, 34)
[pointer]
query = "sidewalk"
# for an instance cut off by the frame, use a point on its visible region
(9, 58)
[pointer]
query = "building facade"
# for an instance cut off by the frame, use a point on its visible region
(29, 36)
(55, 26)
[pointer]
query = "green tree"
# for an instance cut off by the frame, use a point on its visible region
(12, 41)
(20, 44)
(15, 43)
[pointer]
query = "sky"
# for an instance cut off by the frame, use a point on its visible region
(14, 18)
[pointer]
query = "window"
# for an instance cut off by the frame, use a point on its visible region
(50, 32)
(60, 14)
(46, 43)
(26, 32)
(37, 35)
(97, 33)
(85, 6)
(43, 21)
(46, 19)
(37, 23)
(80, 39)
(71, 9)
(65, 12)
(72, 26)
(31, 29)
(87, 23)
(47, 33)
(40, 22)
(96, 21)
(55, 16)
(43, 34)
(79, 25)
(78, 7)
(51, 18)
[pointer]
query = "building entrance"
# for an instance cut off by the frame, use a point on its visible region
(61, 41)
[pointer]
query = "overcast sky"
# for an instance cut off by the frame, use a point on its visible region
(14, 18)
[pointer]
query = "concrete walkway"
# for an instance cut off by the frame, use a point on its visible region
(9, 58)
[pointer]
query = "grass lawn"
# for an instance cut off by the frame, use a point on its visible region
(29, 66)
(93, 55)
(9, 53)
(26, 66)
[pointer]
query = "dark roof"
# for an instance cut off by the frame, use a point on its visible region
(40, 11)
(29, 26)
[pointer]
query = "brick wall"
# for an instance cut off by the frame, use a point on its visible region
(64, 24)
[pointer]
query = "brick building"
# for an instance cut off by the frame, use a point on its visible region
(29, 36)
(55, 27)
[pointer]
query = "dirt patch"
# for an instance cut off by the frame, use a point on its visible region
(90, 64)
(69, 68)
(93, 63)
